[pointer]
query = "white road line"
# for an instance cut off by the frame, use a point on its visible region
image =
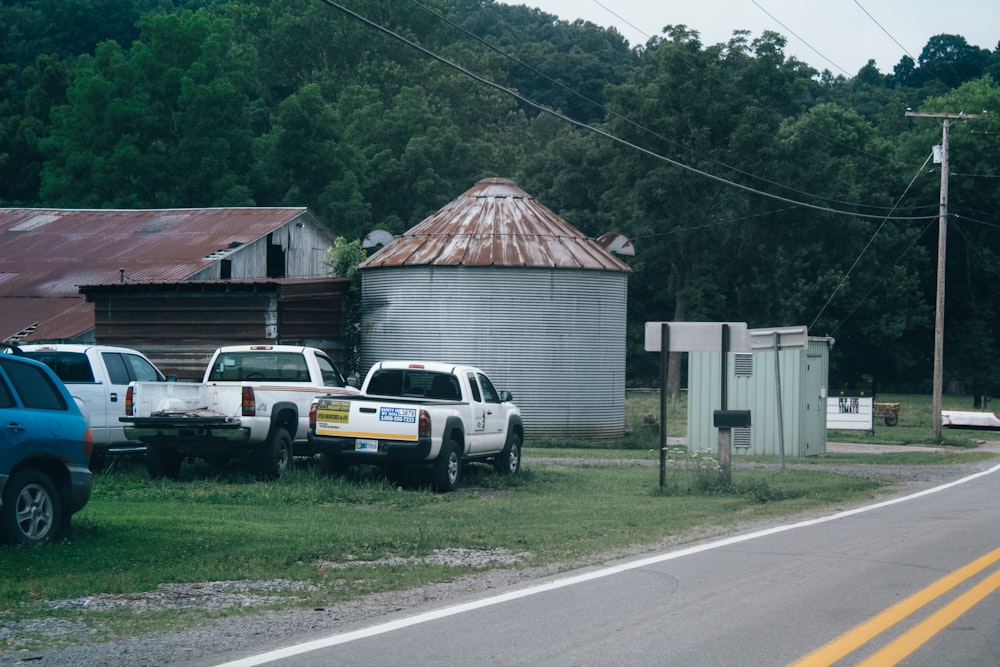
(572, 580)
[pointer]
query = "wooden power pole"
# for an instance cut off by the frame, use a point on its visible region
(942, 245)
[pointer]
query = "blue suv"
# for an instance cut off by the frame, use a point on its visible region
(45, 448)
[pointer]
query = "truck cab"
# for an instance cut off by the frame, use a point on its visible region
(97, 377)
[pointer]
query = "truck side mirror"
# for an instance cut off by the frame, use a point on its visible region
(506, 397)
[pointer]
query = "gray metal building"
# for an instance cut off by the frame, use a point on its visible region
(785, 394)
(497, 280)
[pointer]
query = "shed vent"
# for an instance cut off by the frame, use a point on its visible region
(743, 365)
(741, 436)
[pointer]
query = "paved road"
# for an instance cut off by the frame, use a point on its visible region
(920, 571)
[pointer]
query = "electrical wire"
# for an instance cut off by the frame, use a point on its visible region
(881, 281)
(868, 14)
(676, 163)
(572, 121)
(622, 19)
(792, 32)
(868, 245)
(615, 114)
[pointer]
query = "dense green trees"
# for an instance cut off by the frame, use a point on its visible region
(754, 188)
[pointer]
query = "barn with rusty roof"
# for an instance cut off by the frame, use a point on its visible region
(497, 280)
(46, 255)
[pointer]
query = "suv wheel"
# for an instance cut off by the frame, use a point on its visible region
(32, 510)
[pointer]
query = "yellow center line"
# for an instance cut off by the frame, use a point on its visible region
(852, 639)
(918, 635)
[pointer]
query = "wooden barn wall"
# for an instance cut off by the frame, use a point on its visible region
(180, 330)
(304, 247)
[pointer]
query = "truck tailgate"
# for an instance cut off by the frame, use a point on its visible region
(150, 398)
(363, 419)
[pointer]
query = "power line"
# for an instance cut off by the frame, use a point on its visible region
(863, 251)
(622, 117)
(775, 19)
(622, 19)
(572, 121)
(868, 14)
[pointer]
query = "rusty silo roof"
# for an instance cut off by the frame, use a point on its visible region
(495, 223)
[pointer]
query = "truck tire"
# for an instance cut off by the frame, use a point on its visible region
(162, 461)
(447, 469)
(275, 455)
(32, 510)
(508, 462)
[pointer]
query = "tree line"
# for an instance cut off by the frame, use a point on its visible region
(754, 187)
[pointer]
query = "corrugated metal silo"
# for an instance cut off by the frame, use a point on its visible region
(497, 280)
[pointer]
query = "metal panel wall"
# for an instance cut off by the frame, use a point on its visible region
(803, 377)
(554, 337)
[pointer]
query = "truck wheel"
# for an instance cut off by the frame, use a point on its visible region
(163, 461)
(275, 455)
(508, 462)
(32, 511)
(447, 469)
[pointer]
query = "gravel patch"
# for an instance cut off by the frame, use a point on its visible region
(231, 635)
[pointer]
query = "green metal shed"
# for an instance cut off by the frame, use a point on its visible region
(782, 381)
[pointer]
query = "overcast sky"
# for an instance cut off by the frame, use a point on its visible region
(839, 35)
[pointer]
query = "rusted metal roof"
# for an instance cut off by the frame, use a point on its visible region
(45, 254)
(495, 223)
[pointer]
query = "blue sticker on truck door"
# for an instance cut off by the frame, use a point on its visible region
(397, 415)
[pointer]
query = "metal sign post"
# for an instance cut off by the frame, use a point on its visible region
(667, 337)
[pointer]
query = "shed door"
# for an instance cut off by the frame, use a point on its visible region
(814, 413)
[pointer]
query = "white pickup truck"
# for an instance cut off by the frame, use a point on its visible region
(420, 413)
(97, 377)
(253, 403)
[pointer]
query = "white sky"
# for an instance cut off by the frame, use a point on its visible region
(828, 34)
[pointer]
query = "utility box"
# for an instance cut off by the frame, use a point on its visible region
(782, 382)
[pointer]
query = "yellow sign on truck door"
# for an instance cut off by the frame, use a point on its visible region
(330, 414)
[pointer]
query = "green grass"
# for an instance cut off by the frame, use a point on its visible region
(136, 534)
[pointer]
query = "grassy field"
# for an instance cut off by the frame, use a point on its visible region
(346, 537)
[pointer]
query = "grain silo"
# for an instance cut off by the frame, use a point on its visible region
(497, 280)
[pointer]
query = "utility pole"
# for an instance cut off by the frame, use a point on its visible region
(942, 245)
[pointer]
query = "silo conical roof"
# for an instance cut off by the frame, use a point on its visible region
(495, 223)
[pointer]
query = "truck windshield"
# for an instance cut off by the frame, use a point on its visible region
(269, 367)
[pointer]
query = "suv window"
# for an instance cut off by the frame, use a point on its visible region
(6, 400)
(34, 386)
